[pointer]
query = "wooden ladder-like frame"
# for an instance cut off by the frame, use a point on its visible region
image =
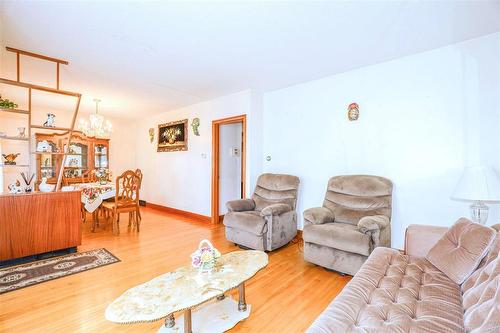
(28, 112)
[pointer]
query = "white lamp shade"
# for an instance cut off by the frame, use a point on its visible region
(478, 184)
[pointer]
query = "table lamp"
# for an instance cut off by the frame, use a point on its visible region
(478, 185)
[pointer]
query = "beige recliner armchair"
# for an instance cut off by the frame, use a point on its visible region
(355, 218)
(268, 220)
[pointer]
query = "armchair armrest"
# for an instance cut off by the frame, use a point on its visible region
(318, 215)
(372, 225)
(276, 209)
(241, 205)
(419, 239)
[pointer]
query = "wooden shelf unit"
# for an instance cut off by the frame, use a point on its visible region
(30, 87)
(14, 111)
(14, 165)
(15, 138)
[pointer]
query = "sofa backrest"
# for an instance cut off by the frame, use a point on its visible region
(355, 196)
(275, 188)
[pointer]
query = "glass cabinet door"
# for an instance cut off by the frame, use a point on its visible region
(76, 161)
(101, 156)
(48, 163)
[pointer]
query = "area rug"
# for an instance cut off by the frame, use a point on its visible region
(25, 275)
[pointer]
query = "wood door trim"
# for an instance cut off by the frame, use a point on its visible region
(216, 156)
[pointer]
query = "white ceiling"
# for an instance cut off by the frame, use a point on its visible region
(145, 58)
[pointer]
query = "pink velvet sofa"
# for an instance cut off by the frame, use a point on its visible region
(404, 292)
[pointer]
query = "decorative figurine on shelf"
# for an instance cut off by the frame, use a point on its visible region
(353, 111)
(15, 188)
(51, 120)
(205, 258)
(44, 187)
(6, 104)
(151, 135)
(10, 159)
(73, 162)
(43, 146)
(195, 123)
(27, 181)
(21, 132)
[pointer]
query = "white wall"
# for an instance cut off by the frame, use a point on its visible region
(182, 179)
(229, 164)
(422, 119)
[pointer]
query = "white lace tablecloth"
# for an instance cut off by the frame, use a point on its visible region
(93, 194)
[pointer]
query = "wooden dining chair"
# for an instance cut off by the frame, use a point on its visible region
(88, 176)
(128, 186)
(138, 172)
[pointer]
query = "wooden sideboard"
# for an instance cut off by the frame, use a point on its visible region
(38, 222)
(89, 154)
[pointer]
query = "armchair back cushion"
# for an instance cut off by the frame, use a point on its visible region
(352, 197)
(275, 189)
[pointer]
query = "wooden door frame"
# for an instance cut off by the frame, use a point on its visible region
(216, 159)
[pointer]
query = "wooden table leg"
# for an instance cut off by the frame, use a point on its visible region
(242, 305)
(187, 321)
(94, 219)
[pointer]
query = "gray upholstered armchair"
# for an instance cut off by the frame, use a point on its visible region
(268, 220)
(355, 218)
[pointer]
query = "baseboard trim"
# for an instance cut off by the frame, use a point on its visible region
(180, 212)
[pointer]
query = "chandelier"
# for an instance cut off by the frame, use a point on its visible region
(96, 126)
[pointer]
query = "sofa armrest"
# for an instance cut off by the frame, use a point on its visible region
(419, 239)
(276, 209)
(241, 205)
(318, 215)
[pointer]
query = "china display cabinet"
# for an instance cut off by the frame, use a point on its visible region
(83, 155)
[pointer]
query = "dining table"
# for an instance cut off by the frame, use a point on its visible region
(93, 194)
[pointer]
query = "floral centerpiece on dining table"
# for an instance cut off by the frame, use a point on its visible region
(102, 175)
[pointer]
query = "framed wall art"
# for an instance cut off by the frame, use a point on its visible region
(173, 136)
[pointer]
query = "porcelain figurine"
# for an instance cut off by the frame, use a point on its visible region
(51, 120)
(10, 158)
(44, 187)
(21, 132)
(15, 188)
(43, 146)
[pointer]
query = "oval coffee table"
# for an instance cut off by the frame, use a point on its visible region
(186, 288)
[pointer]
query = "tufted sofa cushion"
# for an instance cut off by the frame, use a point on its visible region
(460, 251)
(393, 292)
(481, 301)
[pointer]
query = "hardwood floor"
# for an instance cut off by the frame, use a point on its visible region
(286, 296)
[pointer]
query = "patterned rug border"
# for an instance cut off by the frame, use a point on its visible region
(43, 261)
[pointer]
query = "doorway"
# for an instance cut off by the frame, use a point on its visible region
(228, 162)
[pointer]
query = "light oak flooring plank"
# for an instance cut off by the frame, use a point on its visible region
(286, 296)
